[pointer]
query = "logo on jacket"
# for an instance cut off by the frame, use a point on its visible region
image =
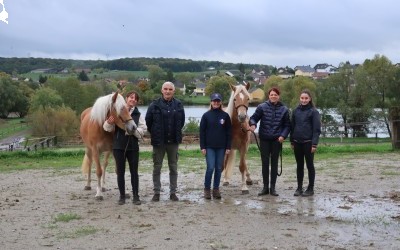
(222, 121)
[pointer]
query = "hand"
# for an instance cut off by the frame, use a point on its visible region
(313, 149)
(252, 128)
(111, 120)
(204, 151)
(281, 139)
(227, 151)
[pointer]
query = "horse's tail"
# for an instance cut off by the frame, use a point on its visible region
(86, 164)
(230, 162)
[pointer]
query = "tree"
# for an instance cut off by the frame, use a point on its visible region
(220, 84)
(156, 74)
(241, 68)
(45, 97)
(291, 89)
(8, 92)
(42, 79)
(83, 76)
(381, 78)
(22, 99)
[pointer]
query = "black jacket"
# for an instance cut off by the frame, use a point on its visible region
(306, 125)
(275, 121)
(123, 141)
(215, 130)
(165, 120)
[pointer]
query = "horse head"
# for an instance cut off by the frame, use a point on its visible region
(241, 98)
(121, 114)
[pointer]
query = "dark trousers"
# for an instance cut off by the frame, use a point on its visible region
(303, 151)
(269, 150)
(133, 160)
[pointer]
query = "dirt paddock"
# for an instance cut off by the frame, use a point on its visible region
(356, 206)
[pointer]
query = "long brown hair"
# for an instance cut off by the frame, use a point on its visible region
(308, 92)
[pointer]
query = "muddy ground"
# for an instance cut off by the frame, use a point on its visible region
(356, 206)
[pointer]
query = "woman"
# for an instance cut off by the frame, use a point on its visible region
(306, 128)
(215, 142)
(126, 147)
(274, 128)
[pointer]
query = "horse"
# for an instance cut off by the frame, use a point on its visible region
(237, 110)
(99, 141)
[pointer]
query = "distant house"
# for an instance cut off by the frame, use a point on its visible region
(233, 73)
(304, 71)
(284, 73)
(257, 95)
(324, 67)
(48, 70)
(181, 86)
(320, 75)
(79, 70)
(200, 89)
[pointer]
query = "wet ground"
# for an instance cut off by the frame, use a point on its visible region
(356, 206)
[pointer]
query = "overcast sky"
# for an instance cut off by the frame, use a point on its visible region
(274, 32)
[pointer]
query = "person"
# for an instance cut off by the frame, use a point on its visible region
(126, 147)
(304, 137)
(165, 119)
(215, 142)
(273, 130)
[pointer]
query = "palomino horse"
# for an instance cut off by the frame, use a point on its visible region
(99, 141)
(237, 110)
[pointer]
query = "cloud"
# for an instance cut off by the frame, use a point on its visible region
(279, 33)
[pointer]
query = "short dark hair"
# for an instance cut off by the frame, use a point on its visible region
(133, 93)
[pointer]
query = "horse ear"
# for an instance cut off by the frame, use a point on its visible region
(247, 85)
(232, 87)
(114, 98)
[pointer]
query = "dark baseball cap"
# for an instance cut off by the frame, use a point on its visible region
(216, 96)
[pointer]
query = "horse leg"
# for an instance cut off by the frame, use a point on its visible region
(86, 169)
(103, 176)
(99, 173)
(243, 171)
(228, 167)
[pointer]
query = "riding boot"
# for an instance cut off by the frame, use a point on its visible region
(308, 192)
(216, 194)
(264, 191)
(272, 191)
(299, 191)
(207, 193)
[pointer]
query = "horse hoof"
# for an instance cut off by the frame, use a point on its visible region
(99, 198)
(87, 188)
(103, 189)
(225, 184)
(245, 192)
(249, 182)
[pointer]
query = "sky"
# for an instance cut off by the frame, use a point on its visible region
(278, 33)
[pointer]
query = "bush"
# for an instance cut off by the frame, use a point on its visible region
(193, 126)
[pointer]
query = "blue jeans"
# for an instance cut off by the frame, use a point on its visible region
(214, 159)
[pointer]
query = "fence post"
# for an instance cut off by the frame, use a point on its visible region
(394, 118)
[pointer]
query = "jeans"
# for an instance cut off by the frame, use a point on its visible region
(214, 159)
(158, 157)
(269, 150)
(303, 151)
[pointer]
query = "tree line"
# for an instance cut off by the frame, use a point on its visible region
(358, 94)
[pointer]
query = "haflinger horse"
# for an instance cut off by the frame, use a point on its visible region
(237, 110)
(99, 141)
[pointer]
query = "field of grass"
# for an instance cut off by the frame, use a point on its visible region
(9, 127)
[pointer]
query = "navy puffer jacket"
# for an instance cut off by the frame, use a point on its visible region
(306, 125)
(274, 120)
(162, 130)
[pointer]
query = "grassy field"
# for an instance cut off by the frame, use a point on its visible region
(12, 126)
(189, 161)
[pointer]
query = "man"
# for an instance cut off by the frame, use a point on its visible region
(165, 119)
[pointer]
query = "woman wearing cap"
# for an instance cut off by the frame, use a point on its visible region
(274, 128)
(215, 142)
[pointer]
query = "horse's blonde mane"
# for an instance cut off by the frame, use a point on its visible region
(103, 105)
(239, 88)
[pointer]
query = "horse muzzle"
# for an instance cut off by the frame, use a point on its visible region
(130, 127)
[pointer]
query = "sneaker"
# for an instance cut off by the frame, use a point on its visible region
(216, 194)
(156, 197)
(308, 192)
(121, 200)
(173, 197)
(299, 192)
(207, 193)
(136, 200)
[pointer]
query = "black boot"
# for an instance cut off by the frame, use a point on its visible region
(272, 191)
(136, 200)
(299, 191)
(264, 191)
(308, 192)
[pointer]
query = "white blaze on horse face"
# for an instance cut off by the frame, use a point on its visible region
(242, 111)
